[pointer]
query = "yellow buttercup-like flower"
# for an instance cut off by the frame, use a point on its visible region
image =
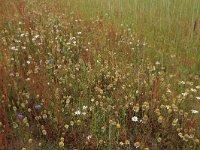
(61, 144)
(160, 119)
(118, 126)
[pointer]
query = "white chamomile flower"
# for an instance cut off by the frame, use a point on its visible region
(134, 119)
(194, 111)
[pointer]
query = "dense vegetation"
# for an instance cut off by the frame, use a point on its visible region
(100, 74)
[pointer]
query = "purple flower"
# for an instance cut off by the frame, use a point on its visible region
(38, 106)
(20, 116)
(49, 61)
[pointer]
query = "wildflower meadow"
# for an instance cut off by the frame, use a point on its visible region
(99, 74)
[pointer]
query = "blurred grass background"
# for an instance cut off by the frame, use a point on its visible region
(171, 27)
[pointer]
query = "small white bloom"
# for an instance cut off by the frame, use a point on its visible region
(66, 126)
(180, 135)
(22, 34)
(191, 136)
(137, 144)
(182, 82)
(198, 87)
(198, 97)
(23, 47)
(194, 111)
(193, 90)
(169, 91)
(184, 94)
(85, 107)
(157, 63)
(89, 137)
(167, 106)
(14, 48)
(35, 37)
(77, 112)
(144, 44)
(134, 119)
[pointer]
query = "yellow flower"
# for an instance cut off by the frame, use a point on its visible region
(127, 142)
(162, 106)
(101, 141)
(22, 105)
(143, 107)
(174, 123)
(160, 119)
(178, 129)
(61, 144)
(30, 140)
(78, 122)
(25, 120)
(169, 110)
(118, 126)
(181, 112)
(14, 108)
(196, 141)
(66, 126)
(27, 124)
(159, 140)
(62, 139)
(175, 108)
(145, 118)
(186, 136)
(136, 108)
(103, 129)
(146, 105)
(157, 111)
(185, 114)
